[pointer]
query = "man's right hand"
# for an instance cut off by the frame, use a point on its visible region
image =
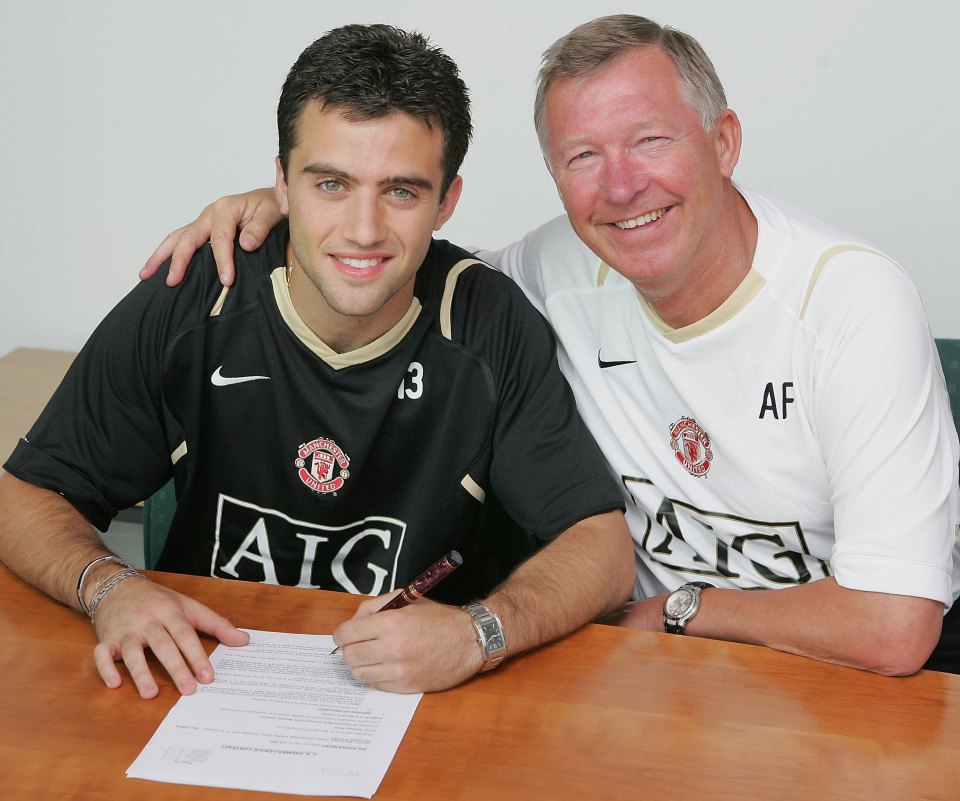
(254, 213)
(139, 614)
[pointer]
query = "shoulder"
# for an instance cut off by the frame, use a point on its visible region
(815, 267)
(548, 260)
(477, 304)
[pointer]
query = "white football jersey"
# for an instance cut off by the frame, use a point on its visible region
(801, 430)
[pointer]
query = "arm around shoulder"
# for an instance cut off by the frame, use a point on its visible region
(254, 213)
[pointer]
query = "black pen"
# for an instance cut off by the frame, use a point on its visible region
(421, 585)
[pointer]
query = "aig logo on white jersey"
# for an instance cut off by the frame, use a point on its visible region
(322, 465)
(692, 446)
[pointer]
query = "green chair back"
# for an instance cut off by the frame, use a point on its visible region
(158, 512)
(950, 359)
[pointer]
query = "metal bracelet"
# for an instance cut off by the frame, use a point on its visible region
(113, 582)
(83, 576)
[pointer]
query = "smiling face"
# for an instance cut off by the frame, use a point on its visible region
(644, 185)
(363, 199)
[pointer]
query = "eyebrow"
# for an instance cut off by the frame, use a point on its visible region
(642, 125)
(320, 168)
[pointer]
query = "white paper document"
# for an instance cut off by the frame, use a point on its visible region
(282, 715)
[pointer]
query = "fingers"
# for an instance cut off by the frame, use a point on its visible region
(261, 214)
(104, 656)
(373, 605)
(254, 232)
(204, 619)
(221, 242)
(160, 255)
(179, 246)
(255, 212)
(166, 623)
(423, 647)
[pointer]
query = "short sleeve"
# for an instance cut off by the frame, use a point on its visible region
(882, 417)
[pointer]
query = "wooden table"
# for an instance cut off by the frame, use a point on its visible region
(28, 377)
(604, 714)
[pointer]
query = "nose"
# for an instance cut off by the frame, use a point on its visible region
(623, 177)
(364, 225)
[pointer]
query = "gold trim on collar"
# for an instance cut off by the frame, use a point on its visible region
(338, 361)
(747, 290)
(602, 273)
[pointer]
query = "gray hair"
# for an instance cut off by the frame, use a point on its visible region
(591, 45)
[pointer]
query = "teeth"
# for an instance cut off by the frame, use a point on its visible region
(643, 219)
(361, 264)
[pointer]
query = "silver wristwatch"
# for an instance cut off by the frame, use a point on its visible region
(490, 635)
(681, 605)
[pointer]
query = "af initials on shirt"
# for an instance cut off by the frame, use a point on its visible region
(769, 403)
(266, 546)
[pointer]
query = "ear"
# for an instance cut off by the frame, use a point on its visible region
(281, 189)
(728, 138)
(449, 203)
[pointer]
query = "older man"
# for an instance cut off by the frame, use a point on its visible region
(765, 385)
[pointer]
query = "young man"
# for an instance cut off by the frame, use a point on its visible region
(765, 386)
(362, 401)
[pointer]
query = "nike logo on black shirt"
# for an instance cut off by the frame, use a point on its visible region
(219, 380)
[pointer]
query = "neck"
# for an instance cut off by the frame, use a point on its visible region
(341, 333)
(696, 293)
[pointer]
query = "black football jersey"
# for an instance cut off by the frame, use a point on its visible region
(297, 465)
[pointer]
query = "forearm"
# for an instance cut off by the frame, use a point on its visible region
(585, 572)
(44, 540)
(880, 632)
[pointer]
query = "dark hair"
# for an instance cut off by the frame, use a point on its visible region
(370, 71)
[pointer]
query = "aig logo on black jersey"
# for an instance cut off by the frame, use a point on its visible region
(266, 546)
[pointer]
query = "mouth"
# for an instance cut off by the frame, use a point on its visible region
(361, 264)
(643, 219)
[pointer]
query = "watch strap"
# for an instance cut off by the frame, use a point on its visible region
(678, 625)
(490, 636)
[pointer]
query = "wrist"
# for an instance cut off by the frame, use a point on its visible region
(489, 634)
(94, 575)
(99, 578)
(682, 605)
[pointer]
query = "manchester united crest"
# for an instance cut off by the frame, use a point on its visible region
(322, 465)
(692, 446)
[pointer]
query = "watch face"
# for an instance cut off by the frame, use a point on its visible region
(678, 603)
(495, 643)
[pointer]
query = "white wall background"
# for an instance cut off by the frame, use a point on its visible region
(121, 119)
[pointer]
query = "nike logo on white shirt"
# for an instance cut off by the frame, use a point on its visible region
(219, 380)
(603, 365)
